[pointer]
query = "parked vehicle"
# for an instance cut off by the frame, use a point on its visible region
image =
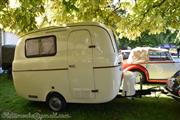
(173, 86)
(152, 64)
(7, 57)
(77, 63)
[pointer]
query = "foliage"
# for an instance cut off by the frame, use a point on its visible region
(21, 19)
(168, 37)
(154, 16)
(128, 18)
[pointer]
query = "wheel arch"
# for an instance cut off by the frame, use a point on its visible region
(52, 93)
(138, 67)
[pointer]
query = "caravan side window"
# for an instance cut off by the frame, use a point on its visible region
(41, 46)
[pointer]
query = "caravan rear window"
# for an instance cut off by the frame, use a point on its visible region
(41, 46)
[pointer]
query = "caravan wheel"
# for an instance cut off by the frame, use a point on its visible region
(56, 102)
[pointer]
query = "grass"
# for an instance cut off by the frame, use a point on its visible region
(146, 108)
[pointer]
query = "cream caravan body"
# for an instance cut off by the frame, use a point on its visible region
(79, 62)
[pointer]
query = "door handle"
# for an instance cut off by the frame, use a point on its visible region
(72, 66)
(92, 46)
(94, 91)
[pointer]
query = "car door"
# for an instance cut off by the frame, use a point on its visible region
(80, 64)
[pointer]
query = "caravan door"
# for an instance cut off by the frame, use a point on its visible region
(80, 64)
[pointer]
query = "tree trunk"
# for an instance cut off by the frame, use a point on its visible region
(0, 47)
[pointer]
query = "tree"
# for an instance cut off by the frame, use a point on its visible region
(20, 19)
(128, 18)
(168, 37)
(153, 15)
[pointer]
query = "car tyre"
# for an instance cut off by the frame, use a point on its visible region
(56, 102)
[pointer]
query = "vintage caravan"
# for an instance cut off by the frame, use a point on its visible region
(76, 63)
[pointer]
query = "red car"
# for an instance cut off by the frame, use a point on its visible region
(151, 64)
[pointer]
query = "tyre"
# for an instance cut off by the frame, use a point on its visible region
(140, 76)
(56, 102)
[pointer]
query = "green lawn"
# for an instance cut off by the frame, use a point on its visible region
(146, 108)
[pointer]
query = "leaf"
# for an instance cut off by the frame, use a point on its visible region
(126, 18)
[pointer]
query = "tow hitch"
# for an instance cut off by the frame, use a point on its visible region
(142, 92)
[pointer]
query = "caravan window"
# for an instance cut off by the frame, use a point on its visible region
(41, 46)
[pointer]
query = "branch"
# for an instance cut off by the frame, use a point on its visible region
(150, 8)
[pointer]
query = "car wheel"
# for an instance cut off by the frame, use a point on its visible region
(140, 76)
(56, 102)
